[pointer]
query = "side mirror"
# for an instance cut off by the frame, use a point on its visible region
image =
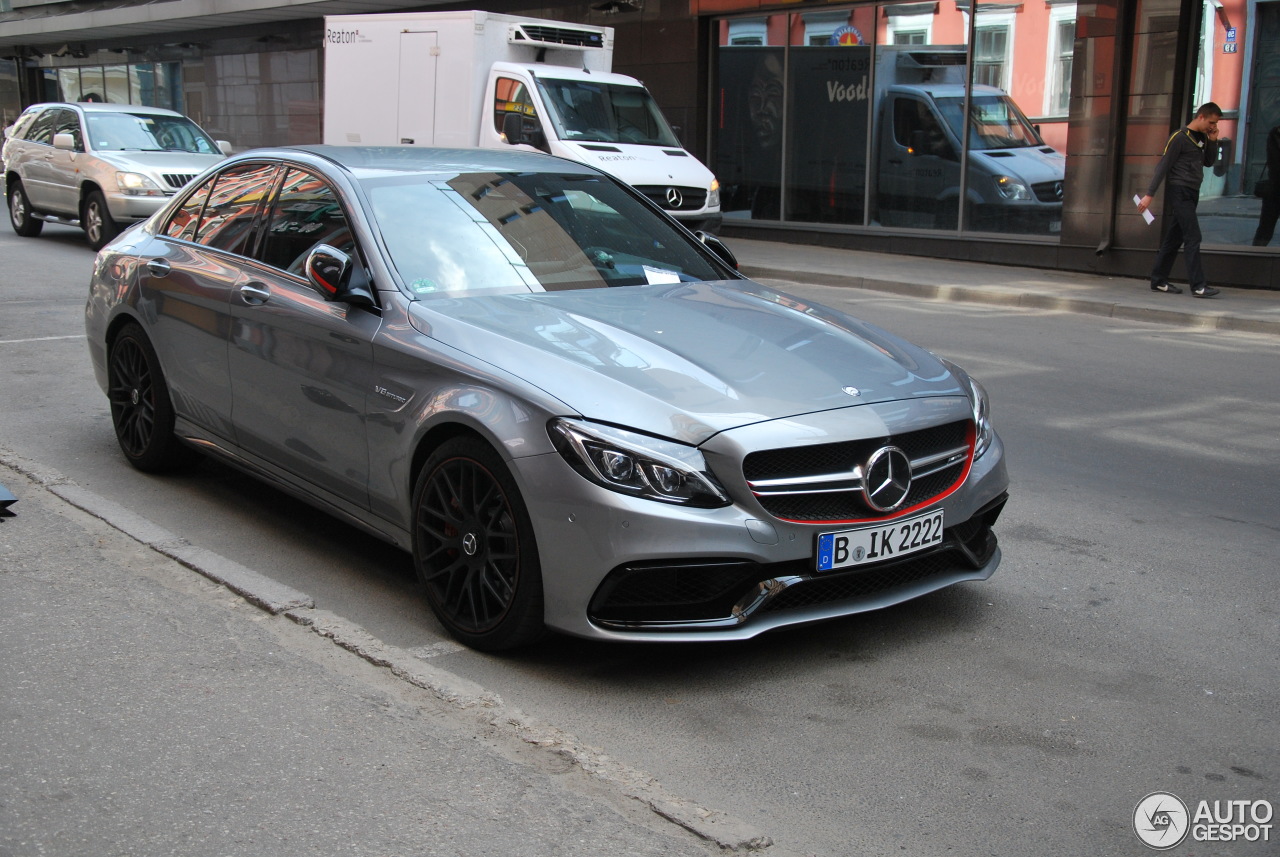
(224, 147)
(329, 271)
(718, 247)
(918, 142)
(65, 141)
(517, 129)
(513, 128)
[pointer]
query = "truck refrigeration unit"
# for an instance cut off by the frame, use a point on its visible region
(465, 79)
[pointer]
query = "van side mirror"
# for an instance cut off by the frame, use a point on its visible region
(918, 142)
(718, 247)
(516, 129)
(329, 271)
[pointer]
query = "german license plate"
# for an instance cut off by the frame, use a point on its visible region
(879, 542)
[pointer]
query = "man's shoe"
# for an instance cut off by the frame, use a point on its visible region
(1204, 292)
(1166, 287)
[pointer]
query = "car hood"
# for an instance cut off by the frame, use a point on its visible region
(686, 360)
(159, 162)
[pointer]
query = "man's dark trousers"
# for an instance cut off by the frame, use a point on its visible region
(1184, 231)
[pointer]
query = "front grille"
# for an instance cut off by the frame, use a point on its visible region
(177, 180)
(840, 459)
(691, 198)
(1048, 191)
(662, 594)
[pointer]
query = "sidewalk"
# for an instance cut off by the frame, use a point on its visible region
(1127, 299)
(148, 710)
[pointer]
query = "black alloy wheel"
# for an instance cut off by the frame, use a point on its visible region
(99, 227)
(141, 410)
(474, 550)
(20, 215)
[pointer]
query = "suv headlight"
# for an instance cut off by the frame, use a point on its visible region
(1011, 188)
(984, 432)
(136, 184)
(636, 464)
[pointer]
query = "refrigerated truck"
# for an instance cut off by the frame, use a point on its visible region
(472, 78)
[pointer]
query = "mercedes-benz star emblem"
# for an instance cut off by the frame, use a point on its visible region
(470, 544)
(886, 479)
(675, 198)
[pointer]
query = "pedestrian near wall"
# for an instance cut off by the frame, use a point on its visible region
(1270, 199)
(1192, 147)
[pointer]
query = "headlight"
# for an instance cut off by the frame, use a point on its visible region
(636, 464)
(136, 184)
(981, 403)
(981, 418)
(713, 195)
(1011, 188)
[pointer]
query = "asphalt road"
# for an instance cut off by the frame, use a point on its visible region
(1129, 643)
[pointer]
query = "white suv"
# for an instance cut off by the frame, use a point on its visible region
(99, 166)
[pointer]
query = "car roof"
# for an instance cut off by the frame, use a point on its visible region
(104, 107)
(366, 161)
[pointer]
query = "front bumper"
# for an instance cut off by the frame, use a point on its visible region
(127, 209)
(620, 568)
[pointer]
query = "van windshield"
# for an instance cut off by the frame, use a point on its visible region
(995, 122)
(586, 111)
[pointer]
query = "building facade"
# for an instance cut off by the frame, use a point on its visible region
(1015, 132)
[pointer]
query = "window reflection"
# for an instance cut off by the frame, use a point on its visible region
(865, 115)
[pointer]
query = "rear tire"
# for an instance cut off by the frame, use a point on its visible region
(474, 550)
(24, 223)
(99, 227)
(141, 410)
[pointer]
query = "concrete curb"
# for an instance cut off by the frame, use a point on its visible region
(726, 832)
(1024, 299)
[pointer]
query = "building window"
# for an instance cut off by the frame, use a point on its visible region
(1062, 37)
(909, 29)
(747, 33)
(991, 55)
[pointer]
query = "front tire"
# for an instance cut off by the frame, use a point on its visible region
(474, 550)
(99, 227)
(141, 410)
(24, 223)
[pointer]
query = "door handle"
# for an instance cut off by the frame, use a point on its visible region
(254, 294)
(897, 162)
(159, 267)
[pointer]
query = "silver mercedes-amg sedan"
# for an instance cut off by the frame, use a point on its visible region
(574, 413)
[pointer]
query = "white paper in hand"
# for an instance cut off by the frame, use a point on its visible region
(1146, 215)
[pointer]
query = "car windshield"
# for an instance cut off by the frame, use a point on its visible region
(585, 111)
(144, 132)
(527, 232)
(995, 122)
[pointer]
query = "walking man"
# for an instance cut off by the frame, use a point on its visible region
(1193, 147)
